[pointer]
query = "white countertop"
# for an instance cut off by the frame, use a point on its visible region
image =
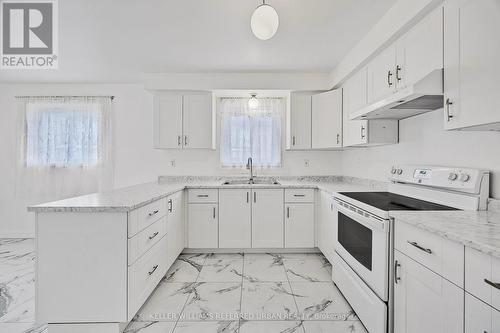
(479, 230)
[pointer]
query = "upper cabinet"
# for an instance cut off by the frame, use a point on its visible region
(364, 132)
(183, 120)
(472, 50)
(327, 120)
(299, 119)
(381, 75)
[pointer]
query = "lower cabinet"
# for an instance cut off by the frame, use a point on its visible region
(327, 226)
(203, 225)
(480, 317)
(299, 225)
(235, 221)
(424, 301)
(267, 218)
(176, 235)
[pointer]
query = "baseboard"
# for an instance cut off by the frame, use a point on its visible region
(16, 234)
(267, 250)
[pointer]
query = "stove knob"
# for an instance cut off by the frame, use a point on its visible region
(393, 171)
(464, 177)
(452, 176)
(400, 171)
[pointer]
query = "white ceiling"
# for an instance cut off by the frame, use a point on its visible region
(117, 40)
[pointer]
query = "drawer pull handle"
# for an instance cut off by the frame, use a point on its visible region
(170, 205)
(154, 212)
(429, 251)
(396, 277)
(299, 195)
(287, 212)
(202, 195)
(153, 270)
(493, 284)
(153, 235)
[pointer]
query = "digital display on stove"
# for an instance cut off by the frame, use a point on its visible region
(422, 173)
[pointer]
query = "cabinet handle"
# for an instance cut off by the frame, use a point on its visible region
(293, 140)
(299, 195)
(185, 140)
(389, 74)
(493, 284)
(363, 132)
(153, 235)
(448, 114)
(396, 277)
(170, 205)
(331, 207)
(154, 212)
(287, 212)
(254, 196)
(429, 251)
(153, 270)
(202, 195)
(179, 140)
(398, 69)
(214, 213)
(338, 138)
(248, 195)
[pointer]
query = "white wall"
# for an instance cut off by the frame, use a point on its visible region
(135, 159)
(423, 141)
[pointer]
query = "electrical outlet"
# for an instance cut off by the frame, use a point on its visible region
(172, 163)
(306, 163)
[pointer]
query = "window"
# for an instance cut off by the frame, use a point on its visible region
(65, 132)
(247, 132)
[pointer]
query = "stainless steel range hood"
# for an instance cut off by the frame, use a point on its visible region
(424, 96)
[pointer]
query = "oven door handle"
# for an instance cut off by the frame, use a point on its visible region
(371, 223)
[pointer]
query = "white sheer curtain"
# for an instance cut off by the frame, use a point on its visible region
(247, 132)
(65, 147)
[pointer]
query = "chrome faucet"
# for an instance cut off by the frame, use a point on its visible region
(250, 167)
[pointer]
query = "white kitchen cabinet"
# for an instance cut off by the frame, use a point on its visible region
(299, 225)
(176, 235)
(267, 218)
(327, 228)
(203, 225)
(300, 121)
(381, 75)
(364, 132)
(425, 301)
(327, 120)
(480, 317)
(235, 220)
(182, 120)
(471, 71)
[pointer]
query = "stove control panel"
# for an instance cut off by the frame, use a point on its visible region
(459, 179)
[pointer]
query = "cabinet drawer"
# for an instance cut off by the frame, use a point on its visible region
(482, 276)
(480, 317)
(145, 274)
(145, 239)
(143, 217)
(440, 255)
(203, 196)
(299, 195)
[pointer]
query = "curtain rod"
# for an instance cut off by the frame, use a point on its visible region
(67, 96)
(239, 97)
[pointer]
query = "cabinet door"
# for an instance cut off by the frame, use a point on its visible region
(424, 301)
(300, 121)
(167, 121)
(420, 50)
(203, 226)
(327, 229)
(471, 70)
(235, 228)
(327, 120)
(267, 218)
(176, 236)
(299, 225)
(354, 91)
(381, 75)
(477, 316)
(197, 120)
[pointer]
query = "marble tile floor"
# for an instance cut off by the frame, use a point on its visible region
(223, 293)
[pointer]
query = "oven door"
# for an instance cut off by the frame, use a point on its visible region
(363, 242)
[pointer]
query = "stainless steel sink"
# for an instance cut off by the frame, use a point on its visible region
(255, 181)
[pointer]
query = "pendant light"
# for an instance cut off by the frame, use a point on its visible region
(264, 21)
(253, 102)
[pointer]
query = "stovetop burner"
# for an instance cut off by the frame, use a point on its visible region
(387, 201)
